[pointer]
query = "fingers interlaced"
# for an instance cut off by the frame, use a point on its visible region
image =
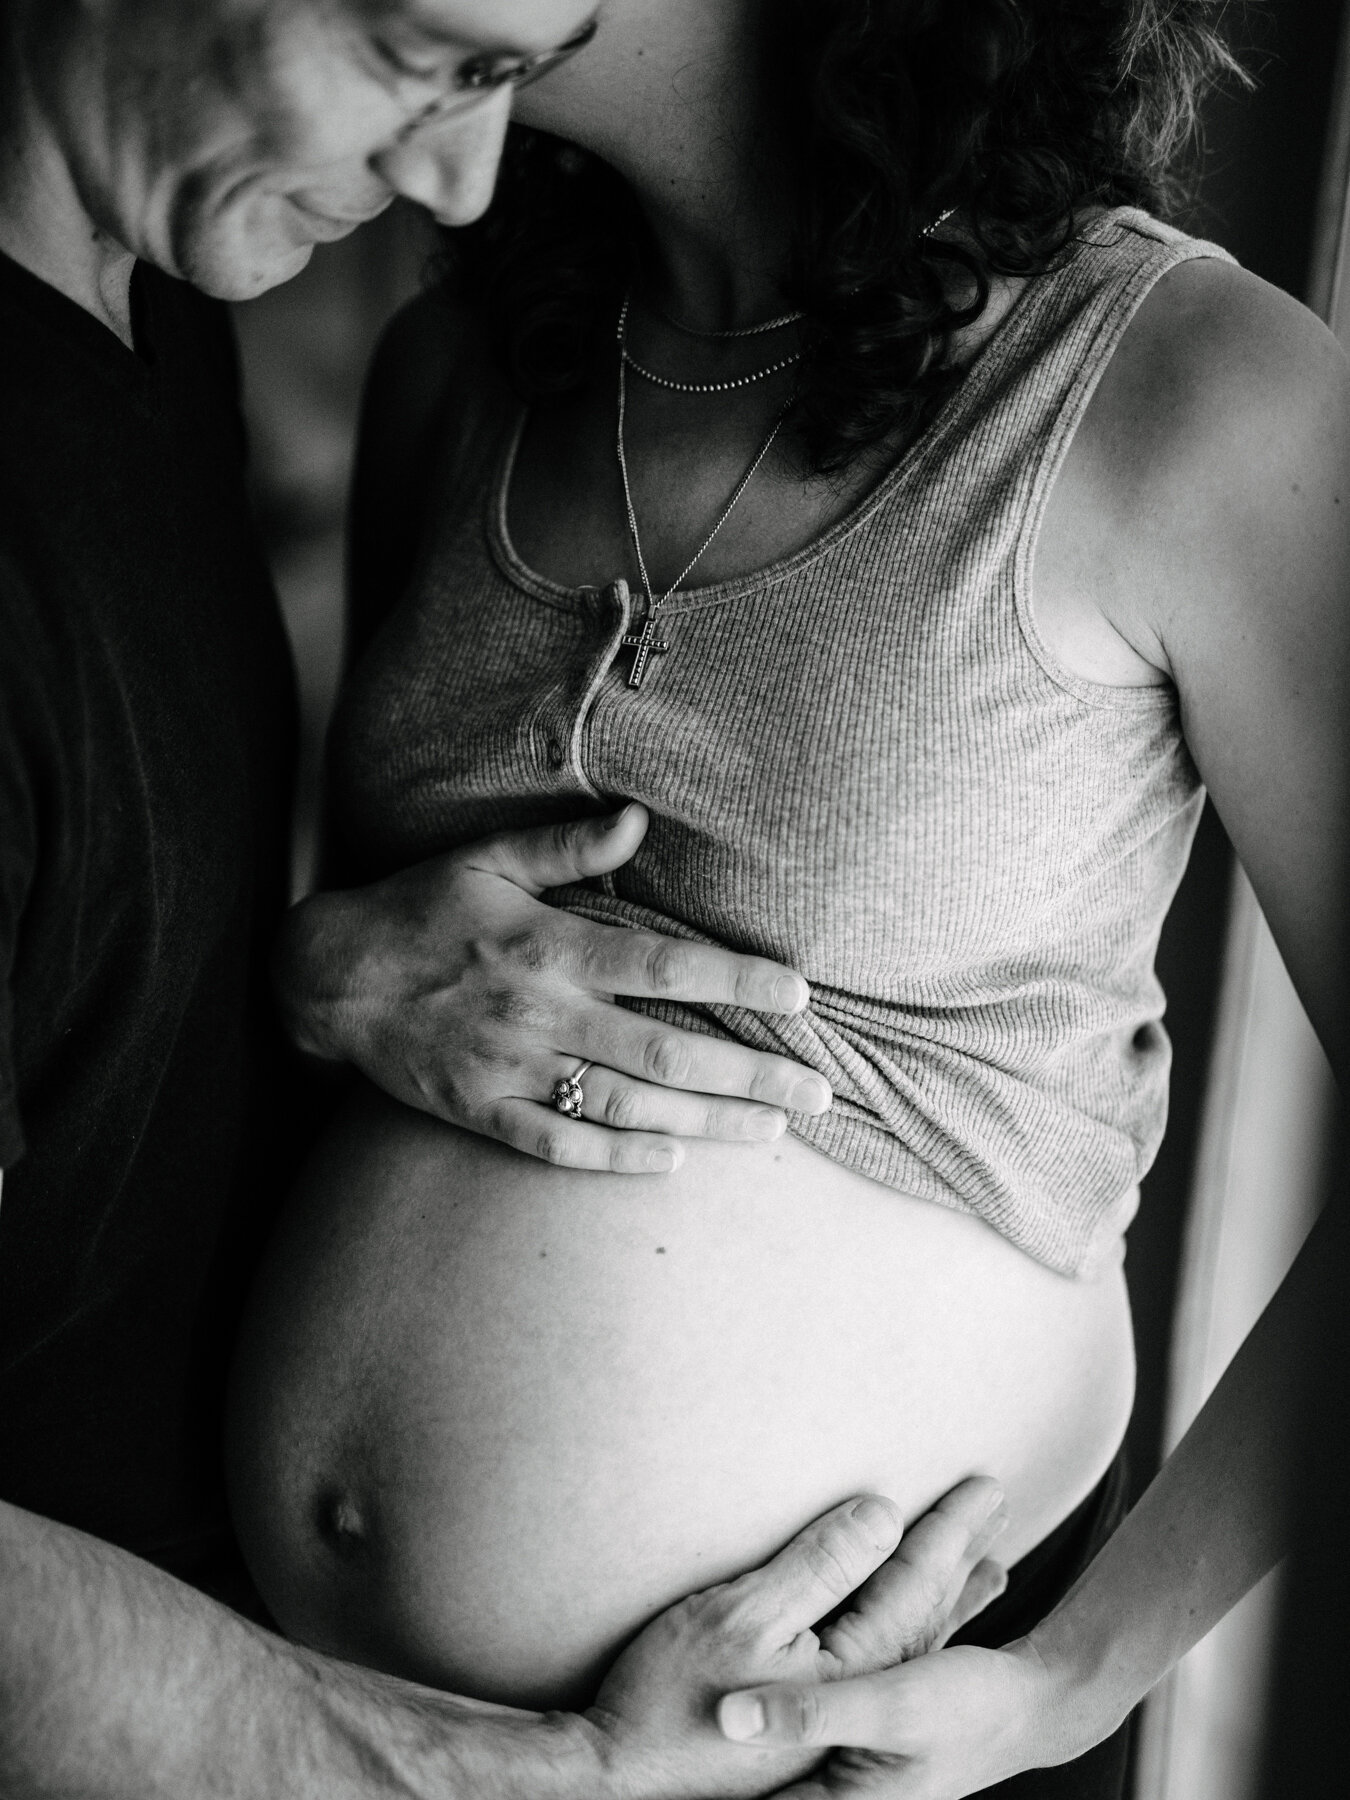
(986, 1581)
(823, 1564)
(924, 1592)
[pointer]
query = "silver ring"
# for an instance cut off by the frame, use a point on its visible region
(567, 1096)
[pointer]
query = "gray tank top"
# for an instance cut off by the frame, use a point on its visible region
(863, 761)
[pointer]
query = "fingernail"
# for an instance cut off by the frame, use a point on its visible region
(615, 818)
(790, 993)
(741, 1717)
(661, 1161)
(765, 1126)
(810, 1096)
(880, 1521)
(995, 1501)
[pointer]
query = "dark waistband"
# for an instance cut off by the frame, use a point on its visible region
(1045, 1574)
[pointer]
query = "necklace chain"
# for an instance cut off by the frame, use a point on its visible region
(647, 641)
(739, 331)
(628, 361)
(654, 604)
(708, 387)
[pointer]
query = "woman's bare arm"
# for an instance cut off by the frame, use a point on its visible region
(1220, 453)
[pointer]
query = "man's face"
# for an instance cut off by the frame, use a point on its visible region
(223, 139)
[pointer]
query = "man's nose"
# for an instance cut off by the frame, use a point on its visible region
(449, 165)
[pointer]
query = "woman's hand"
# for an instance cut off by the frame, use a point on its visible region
(937, 1728)
(457, 990)
(655, 1717)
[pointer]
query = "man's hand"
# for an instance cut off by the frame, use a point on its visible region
(116, 1680)
(656, 1715)
(457, 990)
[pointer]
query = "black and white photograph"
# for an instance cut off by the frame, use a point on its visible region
(674, 899)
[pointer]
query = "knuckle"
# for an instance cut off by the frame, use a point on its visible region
(551, 1145)
(445, 1095)
(535, 948)
(515, 1009)
(589, 951)
(623, 1109)
(665, 1059)
(722, 1121)
(567, 837)
(748, 984)
(933, 1589)
(832, 1560)
(562, 837)
(770, 1080)
(848, 1640)
(667, 966)
(803, 1714)
(728, 1612)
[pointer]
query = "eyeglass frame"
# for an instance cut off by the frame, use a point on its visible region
(483, 74)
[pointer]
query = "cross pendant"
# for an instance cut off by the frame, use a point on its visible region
(644, 644)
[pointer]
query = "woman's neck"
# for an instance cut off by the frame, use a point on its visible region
(672, 98)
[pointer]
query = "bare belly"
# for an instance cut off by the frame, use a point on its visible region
(490, 1416)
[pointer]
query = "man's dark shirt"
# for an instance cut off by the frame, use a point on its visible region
(146, 746)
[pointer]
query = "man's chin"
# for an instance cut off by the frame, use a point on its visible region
(244, 274)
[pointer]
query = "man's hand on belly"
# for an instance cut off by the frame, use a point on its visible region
(457, 990)
(655, 1719)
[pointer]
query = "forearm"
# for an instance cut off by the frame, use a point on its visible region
(1208, 1527)
(116, 1680)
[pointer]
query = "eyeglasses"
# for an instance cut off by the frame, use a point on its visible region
(494, 69)
(478, 76)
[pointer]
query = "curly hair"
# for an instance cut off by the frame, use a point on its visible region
(1022, 114)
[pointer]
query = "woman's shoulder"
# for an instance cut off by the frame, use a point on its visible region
(1220, 353)
(1226, 420)
(1224, 398)
(1220, 429)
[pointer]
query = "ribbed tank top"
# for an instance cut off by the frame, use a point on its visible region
(864, 761)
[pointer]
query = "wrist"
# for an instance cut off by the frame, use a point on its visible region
(305, 966)
(1080, 1675)
(407, 1742)
(583, 1757)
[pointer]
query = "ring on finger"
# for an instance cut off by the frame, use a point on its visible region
(567, 1095)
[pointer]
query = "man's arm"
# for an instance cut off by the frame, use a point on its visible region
(118, 1682)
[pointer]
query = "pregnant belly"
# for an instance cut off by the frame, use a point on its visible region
(489, 1416)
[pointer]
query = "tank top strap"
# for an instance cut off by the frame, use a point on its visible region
(1114, 267)
(995, 451)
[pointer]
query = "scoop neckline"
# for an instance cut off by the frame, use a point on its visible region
(990, 357)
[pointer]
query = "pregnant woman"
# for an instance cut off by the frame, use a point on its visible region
(832, 471)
